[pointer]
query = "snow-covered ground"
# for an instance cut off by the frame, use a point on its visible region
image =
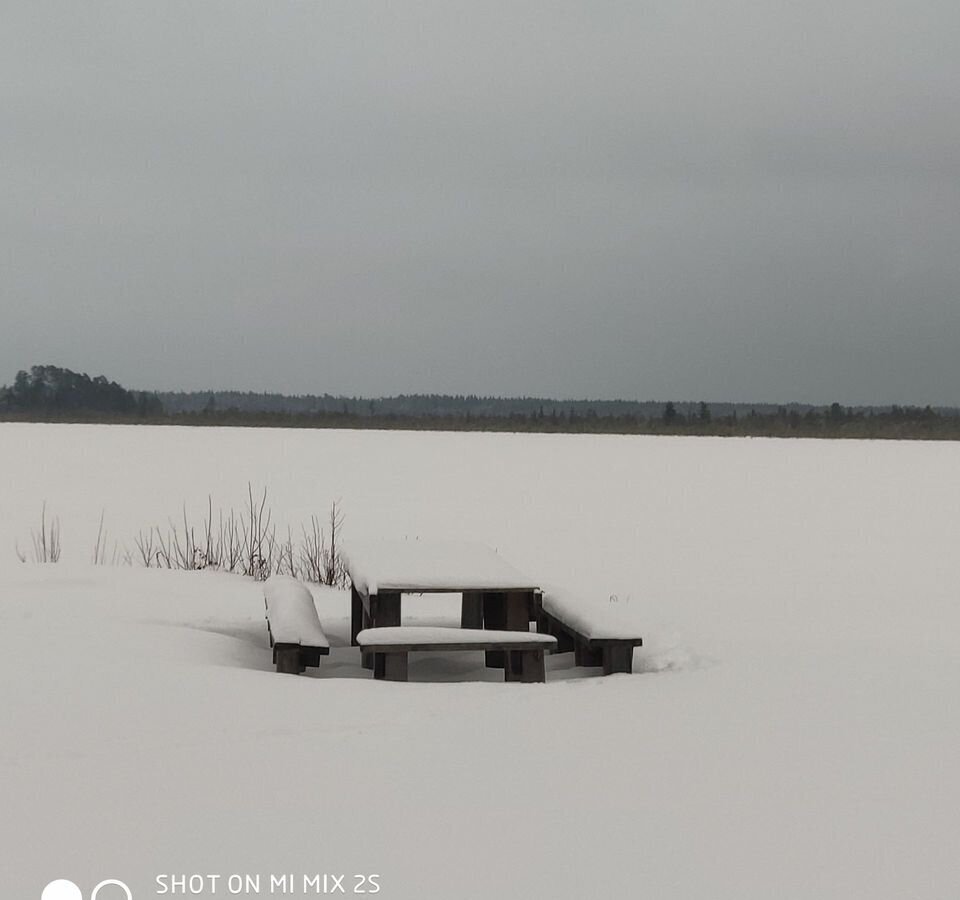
(791, 731)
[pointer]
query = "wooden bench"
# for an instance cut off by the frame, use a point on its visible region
(523, 651)
(595, 633)
(293, 625)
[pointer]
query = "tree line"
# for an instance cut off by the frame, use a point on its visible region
(49, 393)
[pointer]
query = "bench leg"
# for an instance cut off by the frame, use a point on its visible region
(617, 658)
(287, 658)
(494, 618)
(309, 656)
(534, 669)
(390, 666)
(583, 656)
(471, 610)
(512, 664)
(526, 666)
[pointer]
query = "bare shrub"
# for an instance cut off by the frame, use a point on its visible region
(318, 562)
(100, 547)
(247, 543)
(144, 545)
(119, 555)
(334, 572)
(165, 556)
(257, 537)
(230, 544)
(312, 552)
(46, 542)
(288, 561)
(183, 550)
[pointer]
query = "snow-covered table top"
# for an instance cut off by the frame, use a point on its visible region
(429, 567)
(453, 637)
(292, 613)
(594, 618)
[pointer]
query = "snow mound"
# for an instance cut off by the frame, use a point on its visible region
(383, 565)
(413, 634)
(593, 618)
(292, 613)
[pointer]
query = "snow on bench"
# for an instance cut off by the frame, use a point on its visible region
(424, 566)
(294, 628)
(523, 650)
(597, 632)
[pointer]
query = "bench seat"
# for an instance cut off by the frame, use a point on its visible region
(596, 633)
(390, 646)
(293, 625)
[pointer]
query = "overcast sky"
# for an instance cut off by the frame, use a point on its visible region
(725, 201)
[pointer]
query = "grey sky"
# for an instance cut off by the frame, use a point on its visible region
(756, 201)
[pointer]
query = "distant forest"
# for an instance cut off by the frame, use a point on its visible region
(50, 393)
(50, 389)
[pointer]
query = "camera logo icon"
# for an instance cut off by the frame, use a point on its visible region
(61, 889)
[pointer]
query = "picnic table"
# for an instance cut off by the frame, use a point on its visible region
(493, 593)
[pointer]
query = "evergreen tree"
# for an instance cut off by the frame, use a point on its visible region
(52, 389)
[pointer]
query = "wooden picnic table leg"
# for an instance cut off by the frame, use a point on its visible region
(356, 615)
(535, 605)
(494, 618)
(537, 615)
(384, 612)
(517, 610)
(471, 610)
(505, 611)
(385, 609)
